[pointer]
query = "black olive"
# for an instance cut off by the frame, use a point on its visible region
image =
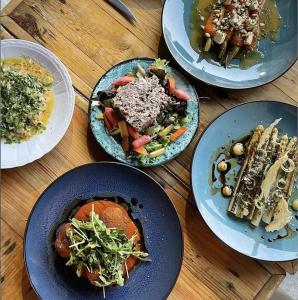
(106, 94)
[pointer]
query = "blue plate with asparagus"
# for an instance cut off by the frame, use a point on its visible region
(244, 175)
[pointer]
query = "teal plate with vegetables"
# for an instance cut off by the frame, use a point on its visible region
(143, 112)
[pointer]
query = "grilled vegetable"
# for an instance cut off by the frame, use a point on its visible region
(157, 153)
(177, 133)
(123, 128)
(123, 80)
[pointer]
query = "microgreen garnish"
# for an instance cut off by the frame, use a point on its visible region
(101, 249)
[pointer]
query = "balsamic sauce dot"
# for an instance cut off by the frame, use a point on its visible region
(134, 201)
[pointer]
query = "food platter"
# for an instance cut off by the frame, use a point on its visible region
(239, 234)
(111, 146)
(18, 154)
(278, 57)
(161, 229)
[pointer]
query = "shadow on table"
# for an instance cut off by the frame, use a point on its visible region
(27, 291)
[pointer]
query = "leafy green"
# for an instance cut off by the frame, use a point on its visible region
(22, 100)
(101, 249)
(161, 66)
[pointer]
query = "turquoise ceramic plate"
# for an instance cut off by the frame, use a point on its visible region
(109, 144)
(238, 234)
(278, 57)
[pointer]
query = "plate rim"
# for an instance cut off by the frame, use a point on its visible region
(108, 163)
(192, 166)
(56, 61)
(208, 82)
(137, 164)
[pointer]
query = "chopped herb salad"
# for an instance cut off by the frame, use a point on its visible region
(144, 111)
(26, 98)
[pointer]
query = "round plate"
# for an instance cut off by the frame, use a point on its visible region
(161, 230)
(15, 155)
(109, 144)
(232, 125)
(278, 56)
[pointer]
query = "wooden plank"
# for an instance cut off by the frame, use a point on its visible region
(288, 83)
(14, 280)
(102, 39)
(269, 288)
(9, 7)
(42, 32)
(290, 267)
(79, 84)
(148, 14)
(5, 34)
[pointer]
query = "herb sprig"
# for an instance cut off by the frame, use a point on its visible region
(101, 249)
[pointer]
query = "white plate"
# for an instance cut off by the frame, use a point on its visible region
(15, 155)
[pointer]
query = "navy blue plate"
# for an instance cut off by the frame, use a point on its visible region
(278, 56)
(238, 234)
(161, 228)
(111, 146)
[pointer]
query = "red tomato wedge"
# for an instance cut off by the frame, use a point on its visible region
(123, 80)
(182, 95)
(174, 136)
(133, 132)
(142, 140)
(111, 116)
(108, 124)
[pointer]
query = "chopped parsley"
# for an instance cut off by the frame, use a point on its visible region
(22, 102)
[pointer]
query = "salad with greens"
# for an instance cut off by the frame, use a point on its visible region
(144, 111)
(99, 247)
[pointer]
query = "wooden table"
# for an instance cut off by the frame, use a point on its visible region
(89, 37)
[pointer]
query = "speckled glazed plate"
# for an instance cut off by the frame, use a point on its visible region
(278, 56)
(239, 234)
(111, 146)
(15, 155)
(163, 239)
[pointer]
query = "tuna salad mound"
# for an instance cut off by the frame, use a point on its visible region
(147, 99)
(144, 111)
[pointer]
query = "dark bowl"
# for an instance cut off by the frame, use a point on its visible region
(163, 239)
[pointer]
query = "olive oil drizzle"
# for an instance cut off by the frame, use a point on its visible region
(199, 14)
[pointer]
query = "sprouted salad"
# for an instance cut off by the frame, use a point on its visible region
(144, 111)
(101, 243)
(27, 98)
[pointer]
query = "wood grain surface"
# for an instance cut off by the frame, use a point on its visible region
(90, 37)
